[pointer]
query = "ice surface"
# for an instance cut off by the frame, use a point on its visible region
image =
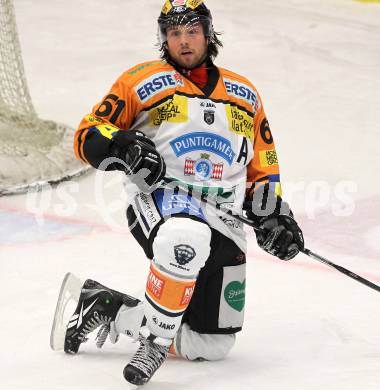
(316, 65)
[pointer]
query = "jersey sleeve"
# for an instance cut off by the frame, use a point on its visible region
(264, 167)
(114, 113)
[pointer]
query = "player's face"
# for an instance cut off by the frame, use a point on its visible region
(187, 45)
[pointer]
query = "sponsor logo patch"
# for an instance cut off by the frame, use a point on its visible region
(184, 254)
(239, 122)
(148, 208)
(194, 3)
(170, 203)
(162, 325)
(241, 91)
(179, 79)
(207, 104)
(187, 294)
(178, 3)
(234, 294)
(203, 141)
(209, 117)
(167, 7)
(268, 158)
(155, 284)
(78, 319)
(203, 168)
(166, 326)
(155, 84)
(174, 111)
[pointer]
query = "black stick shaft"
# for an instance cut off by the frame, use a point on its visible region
(341, 269)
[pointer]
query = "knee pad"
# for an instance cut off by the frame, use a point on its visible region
(199, 346)
(182, 246)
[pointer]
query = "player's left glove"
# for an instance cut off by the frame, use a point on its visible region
(280, 234)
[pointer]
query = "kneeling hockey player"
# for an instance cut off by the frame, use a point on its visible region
(203, 127)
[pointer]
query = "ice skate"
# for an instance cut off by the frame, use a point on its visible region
(148, 358)
(97, 306)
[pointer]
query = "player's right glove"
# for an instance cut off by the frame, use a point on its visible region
(279, 233)
(138, 158)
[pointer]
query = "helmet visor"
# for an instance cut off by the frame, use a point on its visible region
(188, 20)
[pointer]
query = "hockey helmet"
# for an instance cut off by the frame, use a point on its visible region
(186, 13)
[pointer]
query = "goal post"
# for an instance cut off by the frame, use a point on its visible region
(33, 152)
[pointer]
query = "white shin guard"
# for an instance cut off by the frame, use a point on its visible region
(180, 249)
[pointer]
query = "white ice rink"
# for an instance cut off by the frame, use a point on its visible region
(307, 327)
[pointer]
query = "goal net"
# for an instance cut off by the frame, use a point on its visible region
(33, 152)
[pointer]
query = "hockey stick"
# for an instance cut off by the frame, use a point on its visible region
(172, 183)
(341, 269)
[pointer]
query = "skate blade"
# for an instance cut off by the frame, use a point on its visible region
(131, 386)
(68, 295)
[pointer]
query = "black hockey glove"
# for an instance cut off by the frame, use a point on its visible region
(279, 235)
(139, 157)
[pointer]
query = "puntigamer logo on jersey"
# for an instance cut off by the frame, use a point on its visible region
(241, 91)
(157, 83)
(203, 141)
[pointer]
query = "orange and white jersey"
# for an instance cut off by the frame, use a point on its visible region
(217, 138)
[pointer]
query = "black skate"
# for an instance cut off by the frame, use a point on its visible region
(148, 358)
(97, 306)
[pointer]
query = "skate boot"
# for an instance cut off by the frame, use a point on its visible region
(97, 306)
(150, 355)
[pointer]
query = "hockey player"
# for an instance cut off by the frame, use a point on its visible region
(204, 127)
